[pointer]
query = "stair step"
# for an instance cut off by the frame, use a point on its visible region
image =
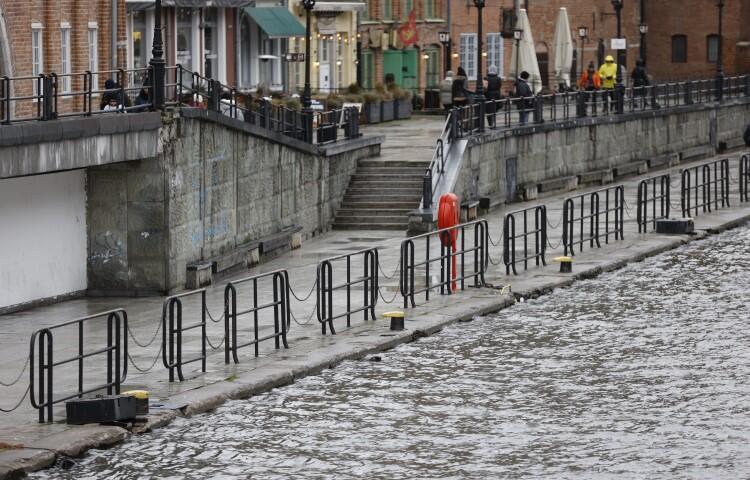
(370, 226)
(359, 183)
(373, 205)
(384, 190)
(382, 200)
(377, 177)
(393, 163)
(417, 172)
(364, 212)
(365, 218)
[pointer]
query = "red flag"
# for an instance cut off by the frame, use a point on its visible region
(408, 32)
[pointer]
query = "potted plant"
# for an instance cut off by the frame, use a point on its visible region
(371, 107)
(402, 99)
(387, 104)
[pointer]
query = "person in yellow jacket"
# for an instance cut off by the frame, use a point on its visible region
(608, 74)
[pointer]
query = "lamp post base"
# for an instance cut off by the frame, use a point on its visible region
(719, 86)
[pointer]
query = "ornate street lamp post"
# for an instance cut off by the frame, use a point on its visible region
(619, 88)
(720, 56)
(307, 113)
(583, 34)
(480, 82)
(158, 65)
(643, 29)
(517, 36)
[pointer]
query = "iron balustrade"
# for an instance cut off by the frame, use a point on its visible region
(409, 264)
(116, 351)
(325, 287)
(39, 98)
(279, 306)
(172, 342)
(614, 202)
(744, 179)
(653, 191)
(538, 233)
(703, 185)
(435, 171)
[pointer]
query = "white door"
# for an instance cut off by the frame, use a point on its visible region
(325, 77)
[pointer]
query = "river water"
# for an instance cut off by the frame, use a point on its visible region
(639, 373)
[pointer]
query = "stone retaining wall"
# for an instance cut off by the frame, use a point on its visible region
(509, 165)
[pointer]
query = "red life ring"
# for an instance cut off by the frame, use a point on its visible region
(449, 215)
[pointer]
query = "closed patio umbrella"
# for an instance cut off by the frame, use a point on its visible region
(563, 48)
(525, 59)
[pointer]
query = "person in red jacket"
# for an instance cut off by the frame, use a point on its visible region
(590, 79)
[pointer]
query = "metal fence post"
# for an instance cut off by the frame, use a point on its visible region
(581, 104)
(427, 189)
(49, 94)
(539, 109)
(688, 93)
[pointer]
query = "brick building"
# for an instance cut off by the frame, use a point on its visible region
(499, 21)
(66, 37)
(683, 43)
(414, 67)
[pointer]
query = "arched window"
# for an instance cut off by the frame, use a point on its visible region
(679, 48)
(712, 48)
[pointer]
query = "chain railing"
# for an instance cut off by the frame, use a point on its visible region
(705, 187)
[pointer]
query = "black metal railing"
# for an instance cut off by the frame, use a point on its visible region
(42, 394)
(363, 264)
(556, 107)
(234, 312)
(704, 187)
(410, 267)
(653, 192)
(526, 232)
(52, 96)
(173, 330)
(436, 170)
(576, 213)
(744, 177)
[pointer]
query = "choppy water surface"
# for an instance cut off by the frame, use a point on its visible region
(642, 373)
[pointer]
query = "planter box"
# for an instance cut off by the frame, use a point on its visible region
(387, 110)
(403, 109)
(372, 112)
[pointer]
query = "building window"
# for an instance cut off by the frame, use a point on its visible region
(468, 54)
(365, 14)
(432, 73)
(65, 59)
(679, 49)
(94, 54)
(387, 9)
(211, 43)
(495, 52)
(368, 69)
(37, 55)
(430, 9)
(185, 42)
(408, 7)
(712, 49)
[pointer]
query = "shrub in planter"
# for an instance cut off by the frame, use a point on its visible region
(371, 108)
(333, 102)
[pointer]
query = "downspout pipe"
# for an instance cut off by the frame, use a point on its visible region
(113, 35)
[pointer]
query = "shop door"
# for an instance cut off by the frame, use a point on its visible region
(393, 64)
(409, 70)
(325, 77)
(432, 75)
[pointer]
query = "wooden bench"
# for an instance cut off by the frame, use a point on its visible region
(469, 211)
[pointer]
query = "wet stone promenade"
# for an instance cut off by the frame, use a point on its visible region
(639, 373)
(310, 352)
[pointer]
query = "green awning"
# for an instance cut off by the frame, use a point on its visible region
(277, 22)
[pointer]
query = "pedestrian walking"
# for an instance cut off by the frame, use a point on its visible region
(524, 96)
(608, 73)
(459, 93)
(493, 95)
(446, 90)
(640, 82)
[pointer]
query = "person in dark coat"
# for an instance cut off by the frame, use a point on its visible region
(492, 94)
(640, 80)
(523, 96)
(746, 137)
(113, 93)
(459, 92)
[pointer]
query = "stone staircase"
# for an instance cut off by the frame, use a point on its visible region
(380, 195)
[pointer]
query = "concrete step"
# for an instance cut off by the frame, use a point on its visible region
(393, 163)
(380, 200)
(387, 191)
(374, 205)
(364, 212)
(377, 177)
(366, 218)
(402, 183)
(417, 172)
(370, 226)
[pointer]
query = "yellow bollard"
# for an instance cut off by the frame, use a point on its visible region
(397, 319)
(566, 264)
